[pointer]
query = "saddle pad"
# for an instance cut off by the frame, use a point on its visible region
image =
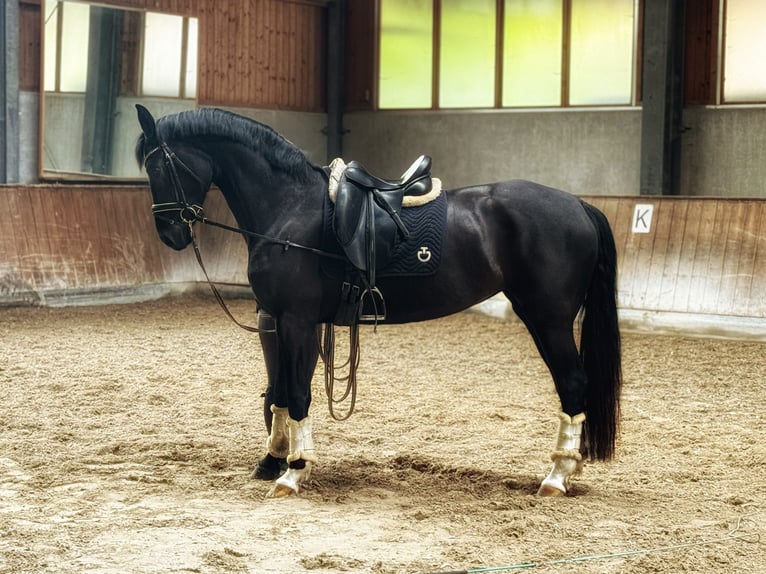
(420, 254)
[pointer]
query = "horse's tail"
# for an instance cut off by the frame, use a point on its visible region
(600, 346)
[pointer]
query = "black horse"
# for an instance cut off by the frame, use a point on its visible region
(549, 252)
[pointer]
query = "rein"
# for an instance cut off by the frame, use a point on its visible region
(192, 213)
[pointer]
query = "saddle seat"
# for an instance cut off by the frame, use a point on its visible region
(415, 181)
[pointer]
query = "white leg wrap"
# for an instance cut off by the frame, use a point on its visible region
(301, 447)
(567, 460)
(278, 443)
(301, 440)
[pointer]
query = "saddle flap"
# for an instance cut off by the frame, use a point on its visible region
(350, 208)
(366, 224)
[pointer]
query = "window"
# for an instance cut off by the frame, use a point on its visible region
(170, 56)
(98, 60)
(405, 53)
(509, 53)
(745, 43)
(601, 61)
(532, 53)
(66, 46)
(168, 44)
(467, 54)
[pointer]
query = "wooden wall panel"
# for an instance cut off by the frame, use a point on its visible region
(263, 54)
(701, 256)
(700, 49)
(86, 239)
(756, 294)
(361, 63)
(29, 45)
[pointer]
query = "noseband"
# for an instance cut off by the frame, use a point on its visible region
(188, 213)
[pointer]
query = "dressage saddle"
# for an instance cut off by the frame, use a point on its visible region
(366, 218)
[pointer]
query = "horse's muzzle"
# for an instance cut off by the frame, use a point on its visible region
(174, 235)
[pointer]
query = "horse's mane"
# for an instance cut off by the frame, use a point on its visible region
(217, 123)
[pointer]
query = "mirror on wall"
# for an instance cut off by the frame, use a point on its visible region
(98, 62)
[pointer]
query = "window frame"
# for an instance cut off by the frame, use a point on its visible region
(634, 98)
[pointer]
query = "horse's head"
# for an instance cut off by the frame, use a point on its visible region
(179, 177)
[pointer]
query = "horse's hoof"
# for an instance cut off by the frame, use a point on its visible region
(548, 490)
(280, 491)
(290, 482)
(269, 468)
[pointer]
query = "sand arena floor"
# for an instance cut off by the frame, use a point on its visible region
(127, 435)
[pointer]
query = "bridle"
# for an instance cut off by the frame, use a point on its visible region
(190, 213)
(187, 213)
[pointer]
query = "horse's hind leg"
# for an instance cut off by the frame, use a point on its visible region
(558, 349)
(275, 418)
(560, 354)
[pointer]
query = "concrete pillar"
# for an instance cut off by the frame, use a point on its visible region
(9, 91)
(336, 53)
(662, 101)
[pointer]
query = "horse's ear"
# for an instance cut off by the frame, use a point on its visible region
(147, 124)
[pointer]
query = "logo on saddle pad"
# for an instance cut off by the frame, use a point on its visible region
(424, 254)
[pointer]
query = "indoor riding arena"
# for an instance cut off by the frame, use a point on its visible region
(132, 406)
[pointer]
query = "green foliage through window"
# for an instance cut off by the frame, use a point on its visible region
(467, 66)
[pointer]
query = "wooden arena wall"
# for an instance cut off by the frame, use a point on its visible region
(695, 256)
(80, 244)
(703, 256)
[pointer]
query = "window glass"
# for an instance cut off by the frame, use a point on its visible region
(532, 53)
(74, 47)
(601, 56)
(744, 70)
(191, 60)
(467, 66)
(406, 54)
(163, 35)
(596, 66)
(51, 41)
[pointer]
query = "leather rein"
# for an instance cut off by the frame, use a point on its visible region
(192, 213)
(189, 214)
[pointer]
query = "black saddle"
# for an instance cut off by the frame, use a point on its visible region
(415, 181)
(366, 218)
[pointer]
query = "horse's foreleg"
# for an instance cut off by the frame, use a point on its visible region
(275, 418)
(277, 446)
(300, 459)
(278, 443)
(297, 361)
(566, 457)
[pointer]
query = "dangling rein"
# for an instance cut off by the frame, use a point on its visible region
(325, 341)
(190, 214)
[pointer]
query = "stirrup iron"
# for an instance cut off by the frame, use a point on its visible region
(374, 296)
